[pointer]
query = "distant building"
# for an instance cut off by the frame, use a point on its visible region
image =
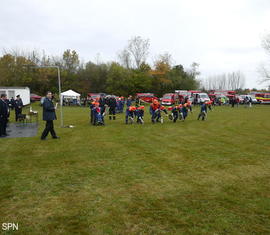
(24, 93)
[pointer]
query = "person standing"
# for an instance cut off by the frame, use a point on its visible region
(102, 102)
(49, 116)
(12, 102)
(233, 101)
(4, 114)
(18, 107)
(112, 106)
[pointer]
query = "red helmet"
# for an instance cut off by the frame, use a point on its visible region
(155, 101)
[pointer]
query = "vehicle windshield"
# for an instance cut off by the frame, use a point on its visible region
(145, 96)
(167, 97)
(203, 96)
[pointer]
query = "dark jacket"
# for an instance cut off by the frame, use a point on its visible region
(102, 102)
(129, 102)
(112, 102)
(4, 110)
(204, 108)
(18, 104)
(48, 110)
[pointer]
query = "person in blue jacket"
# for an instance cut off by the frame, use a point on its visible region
(140, 114)
(184, 110)
(203, 113)
(155, 110)
(174, 113)
(97, 114)
(130, 114)
(129, 101)
(121, 104)
(49, 116)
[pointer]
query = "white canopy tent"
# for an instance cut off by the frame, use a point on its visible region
(70, 94)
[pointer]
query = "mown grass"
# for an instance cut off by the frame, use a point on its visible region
(194, 177)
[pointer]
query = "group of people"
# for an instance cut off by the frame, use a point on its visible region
(98, 107)
(98, 111)
(5, 106)
(136, 112)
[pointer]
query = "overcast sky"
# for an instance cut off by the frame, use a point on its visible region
(221, 35)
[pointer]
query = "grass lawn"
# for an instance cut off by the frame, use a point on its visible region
(195, 177)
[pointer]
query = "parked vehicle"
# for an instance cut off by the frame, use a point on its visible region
(201, 97)
(146, 97)
(263, 98)
(35, 97)
(240, 98)
(169, 99)
(94, 96)
(253, 98)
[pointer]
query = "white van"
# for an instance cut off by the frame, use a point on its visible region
(202, 97)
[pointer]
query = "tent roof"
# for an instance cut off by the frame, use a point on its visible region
(70, 93)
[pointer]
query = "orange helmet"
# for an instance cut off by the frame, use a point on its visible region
(96, 103)
(132, 108)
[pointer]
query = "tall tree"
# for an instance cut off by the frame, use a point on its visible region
(139, 49)
(125, 58)
(71, 60)
(264, 69)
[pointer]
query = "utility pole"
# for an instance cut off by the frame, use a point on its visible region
(59, 88)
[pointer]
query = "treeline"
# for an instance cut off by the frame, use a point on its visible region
(230, 81)
(129, 75)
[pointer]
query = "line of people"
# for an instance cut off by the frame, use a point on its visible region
(133, 112)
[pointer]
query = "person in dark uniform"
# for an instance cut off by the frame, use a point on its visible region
(12, 102)
(18, 107)
(49, 116)
(112, 106)
(102, 102)
(4, 114)
(92, 105)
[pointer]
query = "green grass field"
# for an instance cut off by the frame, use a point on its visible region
(195, 177)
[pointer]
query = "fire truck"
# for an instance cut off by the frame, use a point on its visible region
(263, 98)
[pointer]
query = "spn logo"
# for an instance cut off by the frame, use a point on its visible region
(10, 226)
